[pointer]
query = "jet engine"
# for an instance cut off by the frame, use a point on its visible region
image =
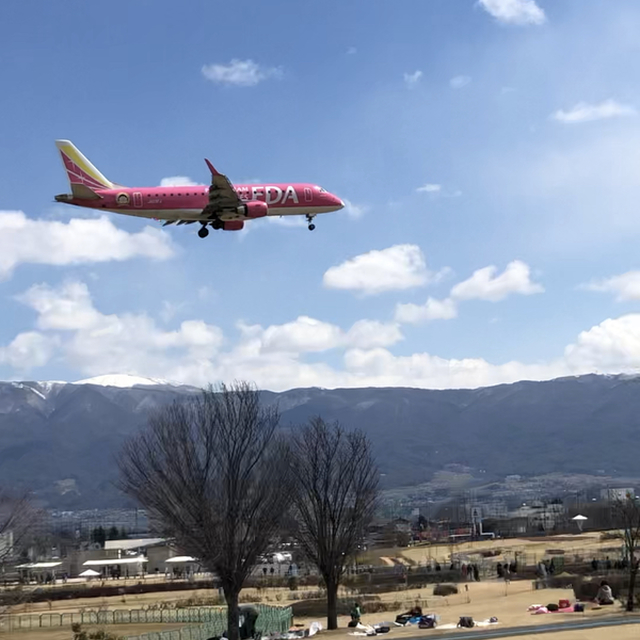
(233, 225)
(254, 209)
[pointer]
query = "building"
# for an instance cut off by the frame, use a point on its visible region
(614, 494)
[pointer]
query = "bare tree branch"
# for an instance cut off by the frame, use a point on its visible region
(17, 519)
(335, 498)
(627, 513)
(215, 475)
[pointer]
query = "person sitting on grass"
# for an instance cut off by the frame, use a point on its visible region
(604, 595)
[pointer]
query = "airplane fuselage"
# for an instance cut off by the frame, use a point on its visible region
(188, 202)
(220, 205)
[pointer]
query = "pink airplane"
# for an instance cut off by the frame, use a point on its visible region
(222, 205)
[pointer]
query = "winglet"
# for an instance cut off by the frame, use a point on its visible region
(211, 168)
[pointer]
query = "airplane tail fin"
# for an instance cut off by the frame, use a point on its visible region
(81, 173)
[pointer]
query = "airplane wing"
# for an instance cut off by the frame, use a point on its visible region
(223, 198)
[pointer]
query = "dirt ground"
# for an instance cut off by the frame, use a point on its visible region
(276, 597)
(64, 633)
(508, 603)
(586, 543)
(484, 600)
(625, 632)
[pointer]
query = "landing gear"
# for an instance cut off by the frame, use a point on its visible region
(203, 232)
(310, 221)
(312, 227)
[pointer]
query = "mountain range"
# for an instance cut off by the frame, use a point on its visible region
(62, 439)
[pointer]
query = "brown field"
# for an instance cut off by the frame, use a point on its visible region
(627, 632)
(484, 599)
(64, 633)
(585, 544)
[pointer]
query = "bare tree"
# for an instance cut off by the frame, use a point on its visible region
(17, 518)
(334, 501)
(214, 475)
(627, 514)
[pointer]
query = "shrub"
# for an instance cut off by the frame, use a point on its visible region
(445, 589)
(101, 634)
(610, 535)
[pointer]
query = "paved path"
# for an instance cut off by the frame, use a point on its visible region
(512, 632)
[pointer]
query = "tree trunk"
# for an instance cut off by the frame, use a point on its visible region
(332, 604)
(632, 588)
(233, 615)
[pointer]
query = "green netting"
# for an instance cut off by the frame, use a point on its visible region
(270, 620)
(206, 621)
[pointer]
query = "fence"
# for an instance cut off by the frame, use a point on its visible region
(269, 618)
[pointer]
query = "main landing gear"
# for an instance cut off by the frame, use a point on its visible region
(203, 232)
(310, 221)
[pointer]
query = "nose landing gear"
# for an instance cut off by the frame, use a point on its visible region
(203, 232)
(310, 218)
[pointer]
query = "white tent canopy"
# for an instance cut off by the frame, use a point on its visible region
(89, 573)
(579, 520)
(177, 559)
(114, 561)
(39, 565)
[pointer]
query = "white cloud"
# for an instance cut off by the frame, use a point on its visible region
(397, 268)
(28, 351)
(520, 12)
(171, 309)
(429, 188)
(458, 82)
(432, 310)
(286, 221)
(583, 112)
(71, 329)
(242, 73)
(484, 284)
(412, 79)
(371, 334)
(308, 335)
(80, 241)
(96, 343)
(613, 346)
(179, 181)
(379, 367)
(301, 336)
(353, 210)
(626, 286)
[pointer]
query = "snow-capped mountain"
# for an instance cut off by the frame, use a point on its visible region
(126, 381)
(63, 439)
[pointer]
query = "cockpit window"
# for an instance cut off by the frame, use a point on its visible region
(321, 190)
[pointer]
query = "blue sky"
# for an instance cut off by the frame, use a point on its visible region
(489, 152)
